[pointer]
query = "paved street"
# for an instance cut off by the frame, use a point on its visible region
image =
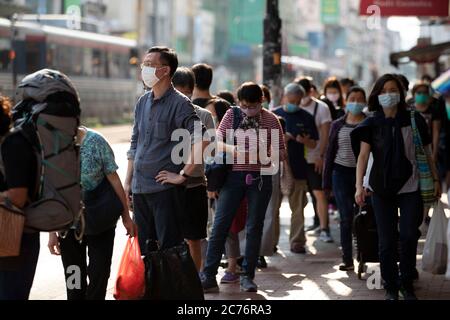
(289, 276)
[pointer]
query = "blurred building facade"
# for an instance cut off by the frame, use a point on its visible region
(320, 37)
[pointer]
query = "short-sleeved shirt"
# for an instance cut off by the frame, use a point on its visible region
(20, 163)
(365, 133)
(300, 122)
(430, 115)
(208, 121)
(322, 116)
(97, 160)
(269, 124)
(345, 156)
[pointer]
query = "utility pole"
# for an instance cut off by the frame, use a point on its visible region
(13, 55)
(272, 51)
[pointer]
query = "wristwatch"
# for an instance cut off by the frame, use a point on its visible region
(182, 173)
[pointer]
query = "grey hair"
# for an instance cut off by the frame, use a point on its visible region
(294, 88)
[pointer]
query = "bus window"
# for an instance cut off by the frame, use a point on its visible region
(5, 63)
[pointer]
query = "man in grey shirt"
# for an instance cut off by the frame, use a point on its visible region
(154, 180)
(196, 211)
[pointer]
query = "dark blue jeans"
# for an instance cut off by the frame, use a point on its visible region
(159, 217)
(17, 273)
(344, 181)
(228, 203)
(411, 216)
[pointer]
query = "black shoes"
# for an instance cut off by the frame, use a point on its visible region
(408, 294)
(391, 295)
(347, 266)
(261, 263)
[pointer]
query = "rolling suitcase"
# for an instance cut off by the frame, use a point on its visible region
(366, 237)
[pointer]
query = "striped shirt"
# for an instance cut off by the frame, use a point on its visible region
(345, 156)
(249, 140)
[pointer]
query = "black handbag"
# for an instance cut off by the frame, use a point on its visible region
(171, 274)
(103, 208)
(217, 170)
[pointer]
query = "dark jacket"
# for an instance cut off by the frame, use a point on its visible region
(331, 153)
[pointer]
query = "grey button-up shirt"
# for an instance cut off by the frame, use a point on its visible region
(151, 145)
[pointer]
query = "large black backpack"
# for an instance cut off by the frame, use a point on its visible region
(48, 117)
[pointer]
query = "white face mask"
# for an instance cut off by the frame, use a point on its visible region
(149, 76)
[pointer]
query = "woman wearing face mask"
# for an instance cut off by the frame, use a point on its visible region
(394, 180)
(334, 98)
(340, 169)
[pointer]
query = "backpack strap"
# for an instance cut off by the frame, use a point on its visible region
(316, 108)
(237, 117)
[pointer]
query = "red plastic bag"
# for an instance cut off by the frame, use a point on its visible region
(241, 217)
(130, 283)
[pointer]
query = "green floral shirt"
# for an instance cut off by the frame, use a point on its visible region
(97, 160)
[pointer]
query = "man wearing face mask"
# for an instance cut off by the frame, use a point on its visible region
(153, 179)
(248, 178)
(300, 132)
(315, 156)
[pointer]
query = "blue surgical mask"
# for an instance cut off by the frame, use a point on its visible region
(389, 100)
(265, 105)
(291, 108)
(355, 108)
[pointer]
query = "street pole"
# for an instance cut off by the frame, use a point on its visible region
(272, 71)
(13, 56)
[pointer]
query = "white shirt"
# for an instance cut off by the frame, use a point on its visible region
(323, 116)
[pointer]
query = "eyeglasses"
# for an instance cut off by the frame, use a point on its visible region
(254, 106)
(152, 66)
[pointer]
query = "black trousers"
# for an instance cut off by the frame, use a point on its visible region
(99, 249)
(159, 217)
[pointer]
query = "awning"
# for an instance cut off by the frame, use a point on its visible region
(426, 54)
(304, 63)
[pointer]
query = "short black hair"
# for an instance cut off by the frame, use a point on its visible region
(347, 82)
(184, 78)
(427, 77)
(357, 89)
(305, 83)
(228, 96)
(374, 104)
(250, 92)
(266, 92)
(168, 57)
(203, 76)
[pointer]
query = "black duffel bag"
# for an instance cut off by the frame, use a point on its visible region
(171, 274)
(102, 208)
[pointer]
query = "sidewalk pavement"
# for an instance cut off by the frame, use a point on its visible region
(315, 276)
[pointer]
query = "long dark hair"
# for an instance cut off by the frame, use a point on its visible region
(374, 104)
(333, 83)
(5, 115)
